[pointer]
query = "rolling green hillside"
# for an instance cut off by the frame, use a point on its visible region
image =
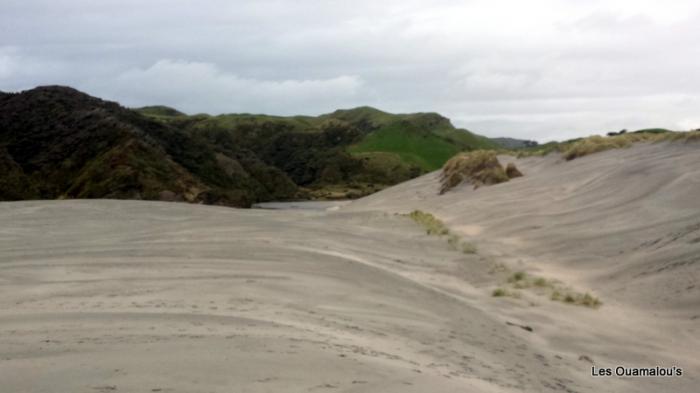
(414, 146)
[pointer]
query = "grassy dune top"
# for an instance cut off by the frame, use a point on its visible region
(479, 168)
(594, 144)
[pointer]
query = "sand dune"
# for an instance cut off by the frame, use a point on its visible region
(125, 296)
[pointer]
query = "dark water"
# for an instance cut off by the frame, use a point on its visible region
(304, 205)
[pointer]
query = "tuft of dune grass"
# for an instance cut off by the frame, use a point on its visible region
(512, 171)
(501, 292)
(434, 226)
(690, 136)
(596, 143)
(479, 168)
(557, 292)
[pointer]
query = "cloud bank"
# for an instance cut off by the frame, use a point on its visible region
(542, 69)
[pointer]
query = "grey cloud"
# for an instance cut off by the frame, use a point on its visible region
(542, 69)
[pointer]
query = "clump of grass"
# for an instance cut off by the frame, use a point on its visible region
(520, 280)
(502, 292)
(586, 300)
(479, 168)
(555, 296)
(468, 248)
(432, 225)
(517, 276)
(512, 171)
(557, 292)
(590, 301)
(498, 292)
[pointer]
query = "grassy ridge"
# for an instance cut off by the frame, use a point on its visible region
(360, 150)
(423, 140)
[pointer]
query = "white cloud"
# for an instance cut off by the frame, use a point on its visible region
(203, 87)
(8, 63)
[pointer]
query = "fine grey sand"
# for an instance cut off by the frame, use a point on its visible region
(130, 296)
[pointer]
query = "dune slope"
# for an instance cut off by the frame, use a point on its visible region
(129, 296)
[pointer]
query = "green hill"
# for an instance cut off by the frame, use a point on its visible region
(56, 142)
(411, 144)
(425, 140)
(347, 152)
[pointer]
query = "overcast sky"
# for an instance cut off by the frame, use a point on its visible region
(536, 69)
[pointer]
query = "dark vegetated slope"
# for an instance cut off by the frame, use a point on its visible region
(14, 183)
(311, 155)
(72, 145)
